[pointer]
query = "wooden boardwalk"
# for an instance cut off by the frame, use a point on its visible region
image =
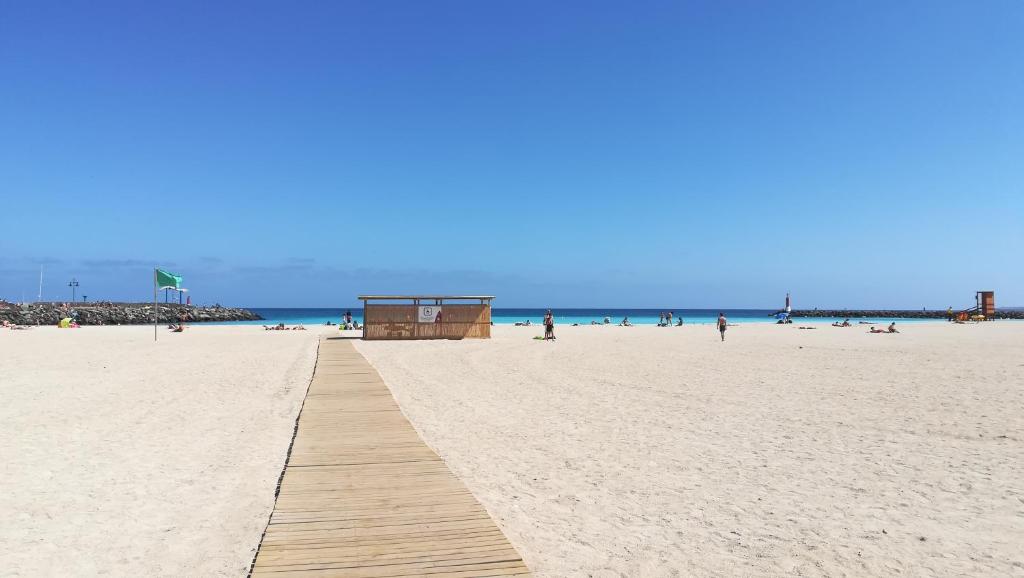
(363, 496)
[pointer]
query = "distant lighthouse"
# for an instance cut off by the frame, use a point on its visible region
(788, 308)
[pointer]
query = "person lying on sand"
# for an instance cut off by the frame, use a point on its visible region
(845, 323)
(890, 330)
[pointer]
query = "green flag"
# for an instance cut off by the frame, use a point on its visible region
(165, 280)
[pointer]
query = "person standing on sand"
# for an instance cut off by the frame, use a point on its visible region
(668, 319)
(549, 325)
(722, 323)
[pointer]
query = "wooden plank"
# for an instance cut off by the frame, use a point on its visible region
(363, 496)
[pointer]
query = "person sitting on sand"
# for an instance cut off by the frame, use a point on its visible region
(892, 327)
(625, 322)
(607, 320)
(679, 322)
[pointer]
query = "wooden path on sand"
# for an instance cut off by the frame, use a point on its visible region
(363, 496)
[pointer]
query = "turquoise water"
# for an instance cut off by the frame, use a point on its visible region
(567, 316)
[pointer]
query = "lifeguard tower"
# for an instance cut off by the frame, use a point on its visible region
(986, 303)
(984, 307)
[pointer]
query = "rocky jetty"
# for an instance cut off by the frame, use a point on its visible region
(106, 313)
(893, 313)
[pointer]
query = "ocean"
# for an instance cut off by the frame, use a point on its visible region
(563, 316)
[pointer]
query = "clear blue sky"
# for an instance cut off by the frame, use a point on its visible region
(631, 154)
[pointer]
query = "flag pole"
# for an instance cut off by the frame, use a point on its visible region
(156, 306)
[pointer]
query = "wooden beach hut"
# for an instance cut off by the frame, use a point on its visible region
(426, 316)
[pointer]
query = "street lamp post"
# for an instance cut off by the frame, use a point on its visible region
(74, 285)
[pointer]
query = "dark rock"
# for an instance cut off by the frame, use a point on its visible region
(104, 313)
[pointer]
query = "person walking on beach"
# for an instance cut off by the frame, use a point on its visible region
(549, 325)
(722, 323)
(668, 319)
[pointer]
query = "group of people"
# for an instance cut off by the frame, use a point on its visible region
(282, 327)
(846, 323)
(347, 322)
(549, 326)
(891, 329)
(665, 320)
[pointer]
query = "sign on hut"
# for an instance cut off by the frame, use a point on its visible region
(426, 316)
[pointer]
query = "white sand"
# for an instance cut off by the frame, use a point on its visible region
(128, 458)
(613, 452)
(652, 452)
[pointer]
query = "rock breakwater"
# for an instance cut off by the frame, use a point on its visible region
(106, 313)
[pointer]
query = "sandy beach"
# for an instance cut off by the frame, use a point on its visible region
(127, 458)
(614, 451)
(651, 451)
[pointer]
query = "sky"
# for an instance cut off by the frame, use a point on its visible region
(554, 154)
